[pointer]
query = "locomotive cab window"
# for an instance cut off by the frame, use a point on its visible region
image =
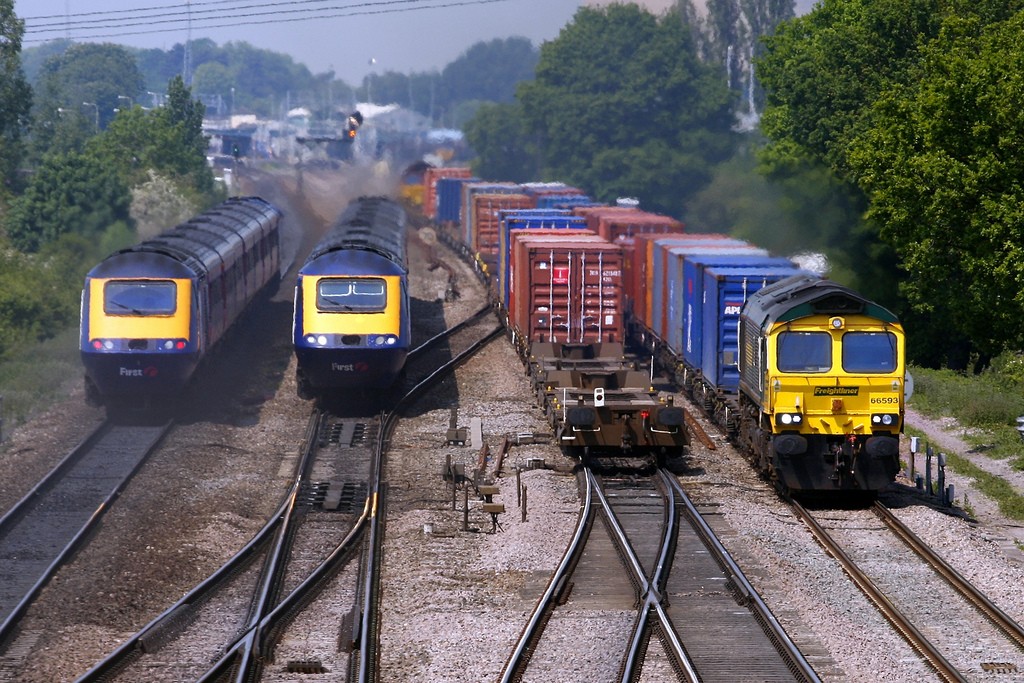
(363, 295)
(140, 297)
(804, 352)
(869, 352)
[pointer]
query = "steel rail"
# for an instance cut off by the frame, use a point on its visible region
(369, 628)
(1010, 628)
(652, 603)
(753, 600)
(895, 617)
(248, 649)
(37, 496)
(154, 630)
(528, 639)
(441, 336)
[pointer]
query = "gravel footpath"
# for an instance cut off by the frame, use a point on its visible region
(454, 600)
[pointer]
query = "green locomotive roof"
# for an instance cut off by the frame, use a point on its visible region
(801, 296)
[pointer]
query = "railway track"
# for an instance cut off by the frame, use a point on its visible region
(314, 565)
(926, 601)
(643, 562)
(43, 530)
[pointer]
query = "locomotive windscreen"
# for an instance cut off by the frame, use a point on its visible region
(140, 297)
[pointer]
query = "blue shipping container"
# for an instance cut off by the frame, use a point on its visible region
(725, 292)
(670, 313)
(693, 292)
(449, 199)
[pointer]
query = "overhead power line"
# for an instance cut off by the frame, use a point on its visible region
(39, 29)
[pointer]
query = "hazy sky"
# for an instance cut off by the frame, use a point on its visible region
(400, 35)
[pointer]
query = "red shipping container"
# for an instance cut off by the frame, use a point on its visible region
(593, 214)
(486, 221)
(430, 178)
(505, 257)
(615, 227)
(567, 290)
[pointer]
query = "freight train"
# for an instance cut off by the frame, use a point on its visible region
(806, 375)
(351, 326)
(152, 312)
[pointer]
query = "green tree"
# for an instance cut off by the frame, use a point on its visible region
(821, 71)
(39, 293)
(168, 140)
(78, 93)
(504, 146)
(623, 105)
(15, 94)
(490, 71)
(839, 80)
(74, 193)
(943, 165)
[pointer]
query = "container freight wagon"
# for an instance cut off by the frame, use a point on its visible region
(467, 228)
(617, 224)
(641, 270)
(689, 344)
(534, 222)
(430, 178)
(486, 211)
(449, 211)
(566, 290)
(665, 312)
(600, 403)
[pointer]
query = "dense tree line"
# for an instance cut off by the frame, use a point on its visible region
(916, 108)
(81, 159)
(621, 104)
(239, 78)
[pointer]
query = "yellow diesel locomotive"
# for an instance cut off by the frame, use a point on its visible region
(822, 386)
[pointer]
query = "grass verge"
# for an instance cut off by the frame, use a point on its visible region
(32, 378)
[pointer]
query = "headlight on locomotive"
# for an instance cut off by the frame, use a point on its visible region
(884, 419)
(788, 420)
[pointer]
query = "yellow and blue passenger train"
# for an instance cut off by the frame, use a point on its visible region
(351, 326)
(150, 313)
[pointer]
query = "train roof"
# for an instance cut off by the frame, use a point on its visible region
(351, 262)
(135, 263)
(369, 224)
(196, 245)
(804, 295)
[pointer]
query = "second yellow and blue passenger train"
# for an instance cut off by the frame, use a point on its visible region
(351, 327)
